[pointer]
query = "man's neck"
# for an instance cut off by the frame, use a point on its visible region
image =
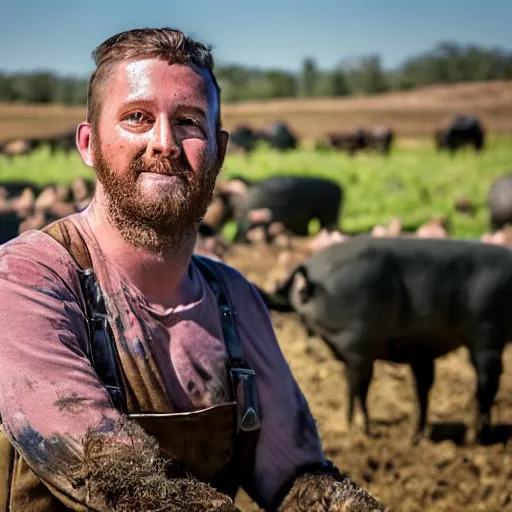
(161, 276)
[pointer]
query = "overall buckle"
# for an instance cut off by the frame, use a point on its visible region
(246, 395)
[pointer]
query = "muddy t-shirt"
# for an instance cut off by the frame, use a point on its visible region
(49, 392)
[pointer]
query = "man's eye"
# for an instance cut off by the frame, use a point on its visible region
(188, 121)
(136, 118)
(194, 126)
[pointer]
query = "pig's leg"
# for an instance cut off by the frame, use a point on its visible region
(243, 226)
(486, 358)
(359, 375)
(309, 343)
(423, 371)
(309, 335)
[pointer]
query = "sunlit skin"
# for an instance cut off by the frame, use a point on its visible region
(160, 110)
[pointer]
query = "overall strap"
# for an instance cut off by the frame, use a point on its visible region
(101, 348)
(243, 377)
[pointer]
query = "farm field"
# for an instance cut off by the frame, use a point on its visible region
(414, 183)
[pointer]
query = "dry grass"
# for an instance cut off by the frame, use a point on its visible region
(410, 113)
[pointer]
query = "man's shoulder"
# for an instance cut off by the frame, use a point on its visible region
(35, 252)
(34, 244)
(231, 276)
(238, 286)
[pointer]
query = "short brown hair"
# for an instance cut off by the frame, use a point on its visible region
(163, 43)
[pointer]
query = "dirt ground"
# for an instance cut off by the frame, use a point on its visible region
(410, 113)
(439, 474)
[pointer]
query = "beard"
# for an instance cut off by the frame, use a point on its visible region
(162, 220)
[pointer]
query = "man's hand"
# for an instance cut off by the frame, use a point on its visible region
(122, 470)
(328, 492)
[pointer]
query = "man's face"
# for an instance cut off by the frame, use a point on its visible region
(155, 146)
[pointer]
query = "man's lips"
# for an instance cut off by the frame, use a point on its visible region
(165, 174)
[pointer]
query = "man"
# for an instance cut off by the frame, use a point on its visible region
(109, 325)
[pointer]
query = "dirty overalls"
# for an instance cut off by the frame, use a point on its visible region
(216, 444)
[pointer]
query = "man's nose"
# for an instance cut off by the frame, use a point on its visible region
(162, 141)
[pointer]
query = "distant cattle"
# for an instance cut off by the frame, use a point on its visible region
(379, 138)
(463, 131)
(243, 138)
(349, 142)
(278, 136)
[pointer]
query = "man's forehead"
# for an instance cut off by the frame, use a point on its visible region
(146, 78)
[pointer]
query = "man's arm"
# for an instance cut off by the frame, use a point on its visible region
(54, 409)
(291, 471)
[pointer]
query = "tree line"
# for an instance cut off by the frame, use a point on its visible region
(446, 63)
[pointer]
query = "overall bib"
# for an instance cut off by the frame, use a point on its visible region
(216, 444)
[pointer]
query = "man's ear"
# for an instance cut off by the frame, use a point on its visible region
(84, 143)
(223, 146)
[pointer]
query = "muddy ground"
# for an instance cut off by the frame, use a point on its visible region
(439, 474)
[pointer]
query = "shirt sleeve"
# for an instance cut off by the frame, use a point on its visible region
(49, 393)
(289, 437)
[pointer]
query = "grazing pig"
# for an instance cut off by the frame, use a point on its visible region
(326, 239)
(17, 147)
(434, 228)
(406, 300)
(393, 229)
(23, 204)
(501, 237)
(499, 201)
(15, 188)
(291, 200)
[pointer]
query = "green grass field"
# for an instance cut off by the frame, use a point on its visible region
(414, 183)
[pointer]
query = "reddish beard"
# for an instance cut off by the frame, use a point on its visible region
(157, 222)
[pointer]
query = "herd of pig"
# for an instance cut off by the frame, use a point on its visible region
(402, 297)
(26, 205)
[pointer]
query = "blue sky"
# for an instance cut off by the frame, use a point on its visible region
(59, 35)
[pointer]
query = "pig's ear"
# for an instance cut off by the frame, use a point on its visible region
(304, 286)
